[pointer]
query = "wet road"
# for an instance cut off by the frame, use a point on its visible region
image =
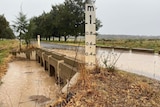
(60, 46)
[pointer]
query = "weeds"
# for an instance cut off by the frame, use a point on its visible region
(109, 60)
(5, 47)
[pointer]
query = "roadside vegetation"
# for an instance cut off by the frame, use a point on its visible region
(120, 43)
(107, 87)
(5, 30)
(132, 43)
(5, 47)
(101, 88)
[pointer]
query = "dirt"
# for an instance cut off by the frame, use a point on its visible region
(118, 89)
(100, 88)
(3, 67)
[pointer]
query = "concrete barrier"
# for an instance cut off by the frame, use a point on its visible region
(54, 68)
(72, 62)
(28, 54)
(58, 65)
(107, 47)
(122, 48)
(143, 50)
(39, 56)
(66, 72)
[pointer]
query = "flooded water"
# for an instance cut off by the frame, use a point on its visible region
(139, 63)
(26, 84)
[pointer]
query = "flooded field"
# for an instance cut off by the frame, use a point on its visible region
(146, 64)
(26, 84)
(139, 63)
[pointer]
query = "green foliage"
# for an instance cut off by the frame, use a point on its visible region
(21, 27)
(64, 20)
(2, 56)
(29, 34)
(132, 43)
(5, 47)
(5, 30)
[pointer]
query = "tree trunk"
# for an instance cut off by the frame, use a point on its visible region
(75, 39)
(53, 38)
(49, 38)
(59, 38)
(65, 38)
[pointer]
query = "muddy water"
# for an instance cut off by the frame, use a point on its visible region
(26, 84)
(139, 63)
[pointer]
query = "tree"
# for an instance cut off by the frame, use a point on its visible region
(72, 15)
(30, 32)
(21, 25)
(5, 30)
(64, 20)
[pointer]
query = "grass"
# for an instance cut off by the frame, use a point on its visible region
(102, 88)
(113, 89)
(137, 43)
(5, 47)
(128, 43)
(67, 42)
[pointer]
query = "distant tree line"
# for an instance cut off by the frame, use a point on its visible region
(5, 30)
(64, 20)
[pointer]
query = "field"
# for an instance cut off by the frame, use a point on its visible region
(132, 43)
(124, 43)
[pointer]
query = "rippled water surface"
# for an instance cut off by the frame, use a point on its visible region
(26, 84)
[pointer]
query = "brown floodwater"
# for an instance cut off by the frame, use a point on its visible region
(138, 63)
(26, 84)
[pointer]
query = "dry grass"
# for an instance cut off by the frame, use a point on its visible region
(118, 89)
(100, 88)
(6, 46)
(112, 89)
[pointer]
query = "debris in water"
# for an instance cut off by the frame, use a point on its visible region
(39, 98)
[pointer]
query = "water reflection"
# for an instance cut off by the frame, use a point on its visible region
(139, 63)
(23, 81)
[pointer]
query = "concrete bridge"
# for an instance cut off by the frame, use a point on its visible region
(59, 66)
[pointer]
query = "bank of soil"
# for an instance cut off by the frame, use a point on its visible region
(3, 67)
(5, 47)
(100, 88)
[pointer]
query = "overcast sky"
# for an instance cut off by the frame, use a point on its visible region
(133, 17)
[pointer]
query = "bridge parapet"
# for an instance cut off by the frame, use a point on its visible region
(72, 61)
(63, 68)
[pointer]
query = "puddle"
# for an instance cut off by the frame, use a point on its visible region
(26, 84)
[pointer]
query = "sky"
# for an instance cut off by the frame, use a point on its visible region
(129, 17)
